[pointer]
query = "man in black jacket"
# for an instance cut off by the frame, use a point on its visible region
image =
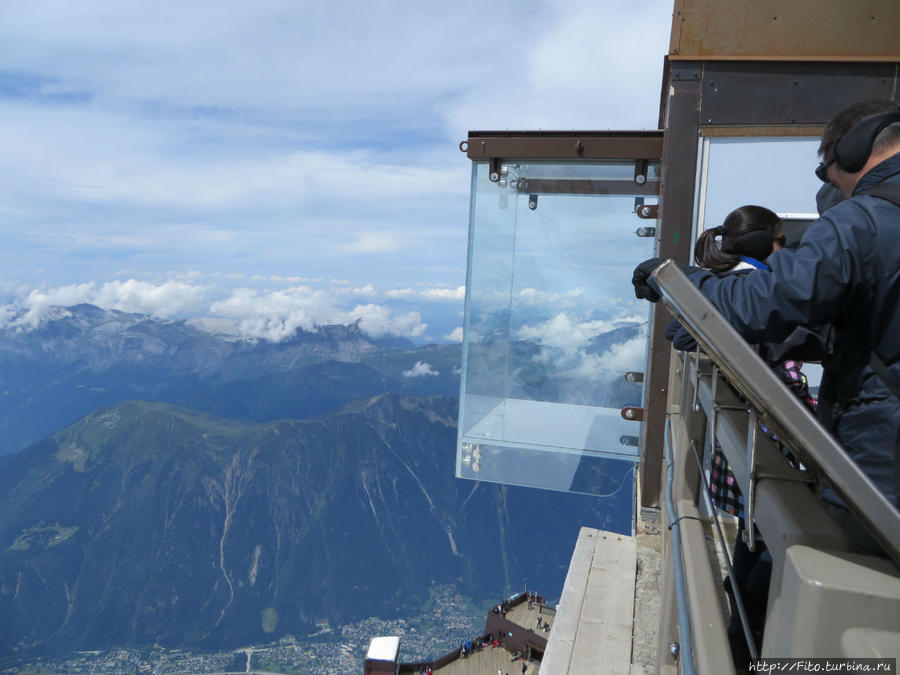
(846, 273)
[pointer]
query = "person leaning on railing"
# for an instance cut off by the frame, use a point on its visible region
(846, 273)
(747, 237)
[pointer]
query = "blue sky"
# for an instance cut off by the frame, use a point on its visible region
(283, 164)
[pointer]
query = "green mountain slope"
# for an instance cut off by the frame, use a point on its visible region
(149, 523)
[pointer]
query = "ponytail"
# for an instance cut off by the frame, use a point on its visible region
(708, 254)
(747, 231)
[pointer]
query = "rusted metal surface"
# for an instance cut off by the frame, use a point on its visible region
(809, 30)
(751, 131)
(563, 145)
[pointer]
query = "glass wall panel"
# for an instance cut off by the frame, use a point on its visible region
(552, 326)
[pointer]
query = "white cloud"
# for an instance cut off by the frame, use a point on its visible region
(430, 294)
(254, 313)
(573, 41)
(366, 291)
(275, 315)
(455, 335)
(149, 136)
(535, 297)
(373, 242)
(565, 339)
(420, 369)
(161, 300)
(569, 333)
(458, 293)
(619, 358)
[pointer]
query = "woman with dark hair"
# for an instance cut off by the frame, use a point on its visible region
(749, 235)
(749, 232)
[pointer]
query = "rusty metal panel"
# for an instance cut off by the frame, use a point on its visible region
(569, 145)
(815, 30)
(744, 131)
(789, 93)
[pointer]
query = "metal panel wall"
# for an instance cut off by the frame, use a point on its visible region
(817, 30)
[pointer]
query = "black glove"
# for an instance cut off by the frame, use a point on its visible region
(641, 277)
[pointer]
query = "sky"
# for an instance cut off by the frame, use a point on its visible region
(283, 164)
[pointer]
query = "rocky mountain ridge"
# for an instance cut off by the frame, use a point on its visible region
(84, 357)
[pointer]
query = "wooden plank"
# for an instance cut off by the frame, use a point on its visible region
(562, 637)
(607, 615)
(593, 627)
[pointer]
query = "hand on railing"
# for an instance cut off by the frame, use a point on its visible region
(645, 287)
(641, 279)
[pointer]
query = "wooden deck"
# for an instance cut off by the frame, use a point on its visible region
(593, 628)
(487, 662)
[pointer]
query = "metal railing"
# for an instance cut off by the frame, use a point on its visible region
(727, 395)
(779, 409)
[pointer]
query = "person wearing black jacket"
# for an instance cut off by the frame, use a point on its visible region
(846, 273)
(748, 235)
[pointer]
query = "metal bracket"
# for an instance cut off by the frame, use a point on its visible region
(647, 231)
(633, 413)
(632, 376)
(695, 357)
(648, 211)
(750, 502)
(640, 171)
(494, 174)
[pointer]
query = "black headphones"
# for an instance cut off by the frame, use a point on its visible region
(852, 151)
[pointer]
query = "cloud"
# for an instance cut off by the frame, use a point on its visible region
(161, 300)
(535, 297)
(564, 341)
(455, 335)
(373, 242)
(430, 294)
(458, 293)
(620, 357)
(149, 137)
(275, 315)
(253, 313)
(366, 291)
(570, 334)
(420, 369)
(573, 39)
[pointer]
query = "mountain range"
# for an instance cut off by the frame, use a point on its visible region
(266, 489)
(82, 357)
(148, 523)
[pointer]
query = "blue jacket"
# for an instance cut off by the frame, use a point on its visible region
(846, 272)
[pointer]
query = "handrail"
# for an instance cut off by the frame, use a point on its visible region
(781, 411)
(686, 647)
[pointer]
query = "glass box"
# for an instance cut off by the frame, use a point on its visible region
(555, 342)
